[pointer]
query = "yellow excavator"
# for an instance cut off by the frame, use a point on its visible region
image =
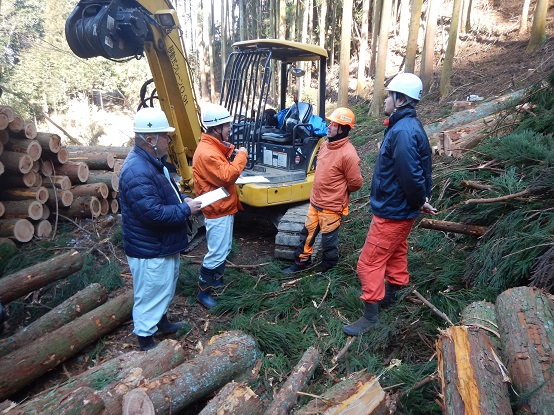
(282, 141)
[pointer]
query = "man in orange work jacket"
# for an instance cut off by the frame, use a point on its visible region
(213, 168)
(336, 176)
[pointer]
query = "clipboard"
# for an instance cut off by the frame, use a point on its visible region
(208, 198)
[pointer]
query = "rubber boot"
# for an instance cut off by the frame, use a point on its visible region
(365, 322)
(167, 327)
(390, 295)
(218, 276)
(146, 343)
(206, 284)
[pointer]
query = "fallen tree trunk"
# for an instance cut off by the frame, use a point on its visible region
(118, 152)
(43, 228)
(56, 347)
(525, 318)
(16, 162)
(227, 357)
(110, 380)
(445, 226)
(100, 190)
(108, 177)
(469, 184)
(59, 198)
(81, 303)
(471, 374)
(233, 399)
(58, 181)
(95, 161)
(482, 314)
(287, 396)
(472, 114)
(30, 147)
(36, 276)
(18, 180)
(359, 394)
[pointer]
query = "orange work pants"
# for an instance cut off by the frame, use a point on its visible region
(327, 222)
(384, 256)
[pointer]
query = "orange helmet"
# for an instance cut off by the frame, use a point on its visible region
(342, 116)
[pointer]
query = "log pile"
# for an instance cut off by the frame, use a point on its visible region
(40, 179)
(514, 344)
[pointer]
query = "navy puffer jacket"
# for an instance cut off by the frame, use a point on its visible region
(154, 218)
(402, 175)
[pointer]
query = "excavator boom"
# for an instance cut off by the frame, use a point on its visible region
(121, 29)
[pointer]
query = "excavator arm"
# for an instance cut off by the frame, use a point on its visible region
(123, 29)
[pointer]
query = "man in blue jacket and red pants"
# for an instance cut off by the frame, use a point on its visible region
(155, 215)
(400, 191)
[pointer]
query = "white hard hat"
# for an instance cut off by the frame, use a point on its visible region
(407, 84)
(152, 120)
(214, 114)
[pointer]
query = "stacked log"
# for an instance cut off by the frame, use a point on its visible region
(67, 181)
(509, 342)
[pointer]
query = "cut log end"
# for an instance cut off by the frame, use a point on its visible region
(137, 402)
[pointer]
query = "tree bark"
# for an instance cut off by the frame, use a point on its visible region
(413, 35)
(445, 226)
(77, 171)
(39, 194)
(108, 177)
(19, 229)
(359, 394)
(525, 318)
(524, 17)
(37, 276)
(482, 314)
(59, 198)
(110, 380)
(234, 399)
(56, 347)
(538, 28)
(22, 209)
(18, 180)
(16, 162)
(287, 396)
(83, 207)
(376, 107)
(472, 381)
(100, 190)
(227, 357)
(49, 142)
(82, 302)
(30, 147)
(446, 73)
(118, 152)
(95, 161)
(344, 60)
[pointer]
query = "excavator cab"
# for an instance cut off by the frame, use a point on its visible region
(282, 141)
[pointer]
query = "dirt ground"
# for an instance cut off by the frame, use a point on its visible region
(489, 63)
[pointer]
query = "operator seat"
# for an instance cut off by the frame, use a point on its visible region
(298, 114)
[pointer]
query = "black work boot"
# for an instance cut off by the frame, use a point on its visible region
(390, 295)
(167, 327)
(365, 322)
(205, 298)
(146, 343)
(296, 267)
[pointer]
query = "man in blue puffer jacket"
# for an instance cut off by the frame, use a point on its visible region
(400, 191)
(155, 216)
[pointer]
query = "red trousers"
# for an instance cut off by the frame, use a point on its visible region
(384, 256)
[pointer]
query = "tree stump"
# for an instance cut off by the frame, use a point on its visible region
(525, 318)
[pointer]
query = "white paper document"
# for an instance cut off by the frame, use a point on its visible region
(251, 179)
(208, 198)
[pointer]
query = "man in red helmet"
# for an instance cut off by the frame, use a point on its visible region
(336, 176)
